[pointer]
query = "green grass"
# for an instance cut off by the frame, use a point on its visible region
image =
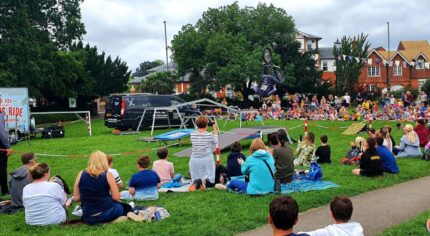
(416, 226)
(199, 213)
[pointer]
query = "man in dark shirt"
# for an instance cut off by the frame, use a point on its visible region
(371, 162)
(323, 151)
(5, 152)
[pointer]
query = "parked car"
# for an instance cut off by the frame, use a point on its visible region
(124, 111)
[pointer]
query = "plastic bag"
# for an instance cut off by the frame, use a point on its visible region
(315, 172)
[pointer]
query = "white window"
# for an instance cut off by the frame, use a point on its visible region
(419, 65)
(325, 66)
(397, 70)
(371, 87)
(373, 71)
(421, 83)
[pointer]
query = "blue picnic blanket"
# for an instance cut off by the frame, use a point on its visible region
(301, 184)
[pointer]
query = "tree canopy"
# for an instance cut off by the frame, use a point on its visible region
(146, 65)
(348, 68)
(158, 83)
(40, 49)
(226, 43)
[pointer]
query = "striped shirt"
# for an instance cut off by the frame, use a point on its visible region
(116, 176)
(202, 143)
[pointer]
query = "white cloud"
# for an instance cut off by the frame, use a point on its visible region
(134, 31)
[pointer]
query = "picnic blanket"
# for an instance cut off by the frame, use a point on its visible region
(304, 185)
(182, 189)
(301, 184)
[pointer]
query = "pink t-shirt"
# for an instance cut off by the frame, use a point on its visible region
(164, 169)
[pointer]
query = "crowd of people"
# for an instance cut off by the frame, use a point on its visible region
(406, 107)
(97, 187)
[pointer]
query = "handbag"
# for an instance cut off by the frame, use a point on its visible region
(277, 187)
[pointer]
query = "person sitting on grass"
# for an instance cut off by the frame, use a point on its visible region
(388, 160)
(163, 167)
(305, 150)
(370, 163)
(260, 168)
(273, 141)
(409, 143)
(283, 215)
(44, 201)
(422, 132)
(341, 211)
(98, 192)
(323, 151)
(114, 172)
(283, 156)
(144, 184)
(233, 167)
(21, 178)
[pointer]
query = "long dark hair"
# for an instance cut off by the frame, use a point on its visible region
(281, 135)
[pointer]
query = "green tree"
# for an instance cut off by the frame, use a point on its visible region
(146, 65)
(158, 83)
(348, 68)
(31, 34)
(225, 47)
(426, 87)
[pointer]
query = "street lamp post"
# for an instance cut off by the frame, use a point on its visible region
(388, 59)
(337, 46)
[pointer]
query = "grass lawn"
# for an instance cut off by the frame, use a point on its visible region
(199, 213)
(415, 226)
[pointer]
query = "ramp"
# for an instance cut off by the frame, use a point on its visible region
(229, 137)
(225, 139)
(354, 128)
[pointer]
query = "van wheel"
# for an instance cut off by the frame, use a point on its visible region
(136, 123)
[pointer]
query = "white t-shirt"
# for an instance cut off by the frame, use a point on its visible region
(43, 203)
(116, 176)
(346, 229)
(347, 99)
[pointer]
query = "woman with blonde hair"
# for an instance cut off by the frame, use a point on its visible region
(409, 143)
(96, 188)
(260, 167)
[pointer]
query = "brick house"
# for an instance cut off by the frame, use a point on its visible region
(408, 67)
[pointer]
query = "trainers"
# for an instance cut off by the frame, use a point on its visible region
(132, 205)
(135, 217)
(77, 211)
(220, 186)
(120, 219)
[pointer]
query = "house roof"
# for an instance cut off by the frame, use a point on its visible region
(326, 53)
(412, 49)
(138, 80)
(310, 36)
(171, 67)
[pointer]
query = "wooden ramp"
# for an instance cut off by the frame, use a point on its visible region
(229, 137)
(354, 128)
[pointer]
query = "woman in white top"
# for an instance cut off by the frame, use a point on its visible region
(44, 201)
(202, 164)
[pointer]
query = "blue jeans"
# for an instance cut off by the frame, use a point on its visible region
(238, 185)
(107, 216)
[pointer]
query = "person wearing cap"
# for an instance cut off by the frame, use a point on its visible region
(409, 143)
(5, 152)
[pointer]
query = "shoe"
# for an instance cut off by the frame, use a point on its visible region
(120, 219)
(220, 186)
(135, 217)
(77, 211)
(132, 205)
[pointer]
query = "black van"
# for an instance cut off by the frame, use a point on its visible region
(124, 111)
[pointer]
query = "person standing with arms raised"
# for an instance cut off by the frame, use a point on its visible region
(5, 152)
(202, 164)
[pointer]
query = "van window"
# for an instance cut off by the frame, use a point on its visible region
(176, 102)
(159, 101)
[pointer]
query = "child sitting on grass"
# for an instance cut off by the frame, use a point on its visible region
(144, 184)
(114, 172)
(323, 151)
(165, 170)
(233, 167)
(305, 151)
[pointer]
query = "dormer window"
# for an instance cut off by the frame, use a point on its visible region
(419, 64)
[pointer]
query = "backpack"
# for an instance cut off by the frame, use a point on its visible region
(315, 172)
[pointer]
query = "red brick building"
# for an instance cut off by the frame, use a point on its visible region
(408, 67)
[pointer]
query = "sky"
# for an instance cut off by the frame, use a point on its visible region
(134, 29)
